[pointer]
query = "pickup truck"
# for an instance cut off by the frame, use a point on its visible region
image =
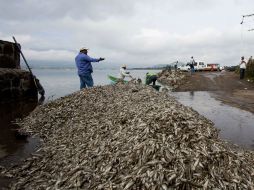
(198, 66)
(212, 67)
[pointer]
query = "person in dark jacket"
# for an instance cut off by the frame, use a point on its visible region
(176, 66)
(192, 62)
(151, 78)
(85, 69)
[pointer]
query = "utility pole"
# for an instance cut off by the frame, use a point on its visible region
(249, 30)
(250, 15)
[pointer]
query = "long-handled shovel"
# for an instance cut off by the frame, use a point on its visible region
(37, 84)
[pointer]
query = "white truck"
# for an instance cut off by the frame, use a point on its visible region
(198, 66)
(185, 67)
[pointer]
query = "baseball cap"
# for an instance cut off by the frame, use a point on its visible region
(83, 48)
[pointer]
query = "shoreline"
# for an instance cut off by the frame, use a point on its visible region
(225, 86)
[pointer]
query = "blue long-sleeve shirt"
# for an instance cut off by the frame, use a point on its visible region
(83, 63)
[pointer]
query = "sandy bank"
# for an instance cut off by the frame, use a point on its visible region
(128, 137)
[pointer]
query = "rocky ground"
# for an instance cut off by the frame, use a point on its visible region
(128, 137)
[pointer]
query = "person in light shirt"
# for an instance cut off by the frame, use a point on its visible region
(242, 67)
(123, 73)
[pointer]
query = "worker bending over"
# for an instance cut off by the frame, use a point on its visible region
(151, 78)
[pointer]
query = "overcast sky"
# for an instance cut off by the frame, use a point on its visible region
(133, 32)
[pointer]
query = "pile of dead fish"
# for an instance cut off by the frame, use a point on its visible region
(128, 137)
(171, 78)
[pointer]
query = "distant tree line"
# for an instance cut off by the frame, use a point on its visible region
(250, 68)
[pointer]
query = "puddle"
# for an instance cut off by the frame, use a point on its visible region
(2, 151)
(236, 125)
(13, 146)
(13, 154)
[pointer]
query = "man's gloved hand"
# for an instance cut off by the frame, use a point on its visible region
(101, 59)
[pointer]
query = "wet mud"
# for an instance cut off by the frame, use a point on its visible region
(227, 87)
(15, 147)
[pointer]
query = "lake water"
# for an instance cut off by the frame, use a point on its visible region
(61, 82)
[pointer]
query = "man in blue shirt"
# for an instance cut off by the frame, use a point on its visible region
(85, 69)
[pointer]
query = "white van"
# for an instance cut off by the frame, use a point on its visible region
(199, 66)
(185, 67)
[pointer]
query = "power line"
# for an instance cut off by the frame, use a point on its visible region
(250, 15)
(246, 16)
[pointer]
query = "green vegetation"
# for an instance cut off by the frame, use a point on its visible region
(237, 69)
(250, 69)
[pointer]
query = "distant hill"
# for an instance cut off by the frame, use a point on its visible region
(159, 66)
(100, 65)
(64, 65)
